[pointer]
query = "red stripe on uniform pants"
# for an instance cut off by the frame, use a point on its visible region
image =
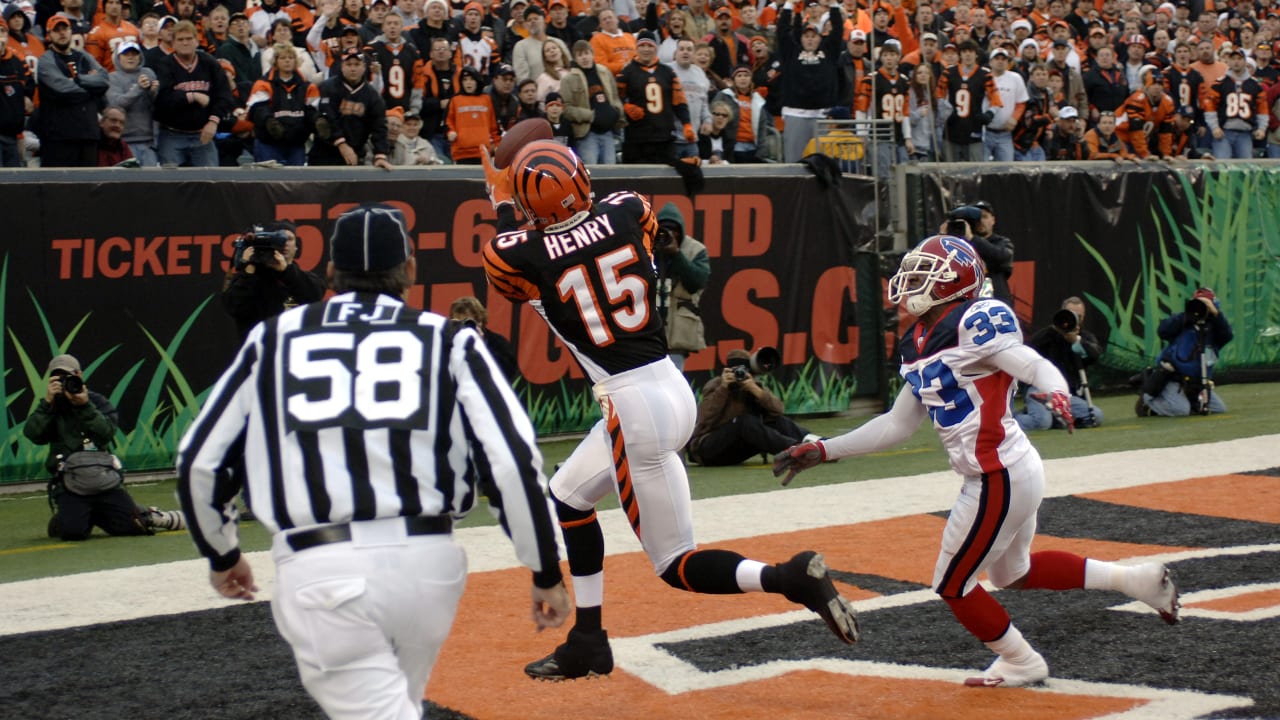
(993, 507)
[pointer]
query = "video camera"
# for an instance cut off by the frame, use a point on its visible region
(265, 244)
(761, 361)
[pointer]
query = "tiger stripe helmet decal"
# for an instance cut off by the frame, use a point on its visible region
(549, 183)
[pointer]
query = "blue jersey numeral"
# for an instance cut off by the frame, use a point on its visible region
(953, 404)
(1004, 322)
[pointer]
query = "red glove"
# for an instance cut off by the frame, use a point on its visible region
(798, 457)
(1059, 403)
(688, 133)
(635, 112)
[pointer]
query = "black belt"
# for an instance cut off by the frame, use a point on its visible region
(341, 532)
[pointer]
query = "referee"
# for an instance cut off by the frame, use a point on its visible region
(366, 427)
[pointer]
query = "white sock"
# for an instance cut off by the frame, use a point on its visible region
(1011, 646)
(748, 576)
(588, 590)
(1099, 575)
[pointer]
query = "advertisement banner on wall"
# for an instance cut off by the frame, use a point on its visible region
(127, 277)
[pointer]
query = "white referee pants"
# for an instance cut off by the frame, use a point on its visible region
(652, 410)
(991, 526)
(366, 618)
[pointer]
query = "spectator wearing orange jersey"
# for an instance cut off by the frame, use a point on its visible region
(1103, 141)
(1145, 121)
(102, 40)
(472, 122)
(22, 41)
(613, 47)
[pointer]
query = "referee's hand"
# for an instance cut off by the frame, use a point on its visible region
(236, 583)
(550, 606)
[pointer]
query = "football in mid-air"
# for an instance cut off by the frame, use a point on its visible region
(519, 135)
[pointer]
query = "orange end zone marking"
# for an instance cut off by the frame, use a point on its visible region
(1240, 603)
(1242, 497)
(492, 631)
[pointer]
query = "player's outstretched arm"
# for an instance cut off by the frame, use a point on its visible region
(879, 433)
(1030, 367)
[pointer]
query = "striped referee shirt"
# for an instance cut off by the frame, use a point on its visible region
(360, 408)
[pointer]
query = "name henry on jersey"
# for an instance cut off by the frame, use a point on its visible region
(583, 235)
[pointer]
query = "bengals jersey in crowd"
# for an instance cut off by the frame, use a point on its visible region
(658, 91)
(1237, 104)
(592, 279)
(400, 67)
(1184, 85)
(102, 40)
(965, 93)
(881, 97)
(1146, 128)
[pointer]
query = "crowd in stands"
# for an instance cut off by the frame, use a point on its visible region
(421, 82)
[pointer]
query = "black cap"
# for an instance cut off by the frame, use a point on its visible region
(503, 69)
(369, 238)
(349, 28)
(646, 36)
(971, 214)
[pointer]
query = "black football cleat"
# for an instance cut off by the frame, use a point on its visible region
(805, 580)
(583, 654)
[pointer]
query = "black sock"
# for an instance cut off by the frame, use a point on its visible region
(587, 619)
(769, 579)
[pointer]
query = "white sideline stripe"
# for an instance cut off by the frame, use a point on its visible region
(128, 593)
(1160, 704)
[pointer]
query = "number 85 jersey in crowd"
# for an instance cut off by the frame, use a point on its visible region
(952, 369)
(592, 279)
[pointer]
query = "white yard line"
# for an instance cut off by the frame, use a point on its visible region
(177, 587)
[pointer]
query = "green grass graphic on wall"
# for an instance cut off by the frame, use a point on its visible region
(168, 407)
(1231, 244)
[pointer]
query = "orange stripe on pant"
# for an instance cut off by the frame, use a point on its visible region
(622, 471)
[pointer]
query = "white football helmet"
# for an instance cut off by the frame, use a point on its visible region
(940, 269)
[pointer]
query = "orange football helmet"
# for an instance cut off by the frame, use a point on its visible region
(549, 183)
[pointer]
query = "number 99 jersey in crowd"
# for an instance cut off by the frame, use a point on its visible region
(951, 371)
(591, 278)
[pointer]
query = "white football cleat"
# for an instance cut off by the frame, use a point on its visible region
(1157, 589)
(1003, 673)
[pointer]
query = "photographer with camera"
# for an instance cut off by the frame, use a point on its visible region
(1071, 349)
(683, 269)
(738, 418)
(470, 312)
(87, 488)
(1182, 380)
(976, 223)
(265, 281)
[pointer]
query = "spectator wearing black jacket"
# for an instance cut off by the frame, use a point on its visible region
(72, 86)
(1105, 84)
(351, 115)
(17, 88)
(1071, 349)
(810, 66)
(194, 98)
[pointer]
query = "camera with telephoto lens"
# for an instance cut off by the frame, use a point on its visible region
(1066, 321)
(761, 361)
(665, 236)
(1196, 311)
(72, 384)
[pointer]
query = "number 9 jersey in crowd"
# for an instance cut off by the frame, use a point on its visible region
(591, 278)
(951, 371)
